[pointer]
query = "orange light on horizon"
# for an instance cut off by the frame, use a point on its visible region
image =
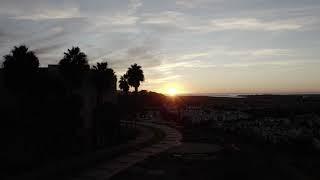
(172, 91)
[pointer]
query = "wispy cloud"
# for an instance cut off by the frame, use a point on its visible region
(194, 3)
(134, 5)
(193, 56)
(47, 49)
(234, 58)
(170, 39)
(185, 22)
(163, 79)
(50, 14)
(245, 24)
(166, 17)
(277, 64)
(116, 20)
(258, 52)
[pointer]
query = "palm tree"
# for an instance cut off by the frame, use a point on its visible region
(101, 66)
(73, 66)
(20, 68)
(123, 84)
(134, 76)
(102, 78)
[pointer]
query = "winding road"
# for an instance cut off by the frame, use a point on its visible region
(107, 170)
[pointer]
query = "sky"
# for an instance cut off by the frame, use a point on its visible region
(193, 46)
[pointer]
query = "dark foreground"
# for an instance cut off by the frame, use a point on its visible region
(237, 159)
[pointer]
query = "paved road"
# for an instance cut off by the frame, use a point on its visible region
(206, 154)
(107, 170)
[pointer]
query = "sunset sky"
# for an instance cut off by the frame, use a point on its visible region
(194, 46)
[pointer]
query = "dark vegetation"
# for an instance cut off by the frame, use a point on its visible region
(45, 118)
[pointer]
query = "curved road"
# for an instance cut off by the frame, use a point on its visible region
(117, 165)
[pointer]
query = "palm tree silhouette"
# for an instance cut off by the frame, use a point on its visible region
(73, 66)
(20, 68)
(123, 84)
(102, 78)
(101, 66)
(134, 76)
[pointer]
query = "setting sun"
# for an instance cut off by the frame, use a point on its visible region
(172, 91)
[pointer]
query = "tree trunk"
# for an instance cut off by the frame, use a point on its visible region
(136, 89)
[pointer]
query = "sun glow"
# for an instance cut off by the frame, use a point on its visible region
(172, 91)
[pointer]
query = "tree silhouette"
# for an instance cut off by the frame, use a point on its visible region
(20, 68)
(73, 66)
(135, 76)
(102, 78)
(123, 84)
(101, 67)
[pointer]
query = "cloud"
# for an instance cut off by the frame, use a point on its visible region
(168, 67)
(170, 39)
(116, 20)
(122, 18)
(246, 24)
(166, 17)
(185, 3)
(50, 14)
(134, 5)
(252, 24)
(39, 9)
(276, 64)
(182, 22)
(163, 79)
(143, 55)
(211, 58)
(271, 52)
(258, 52)
(193, 56)
(194, 3)
(47, 49)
